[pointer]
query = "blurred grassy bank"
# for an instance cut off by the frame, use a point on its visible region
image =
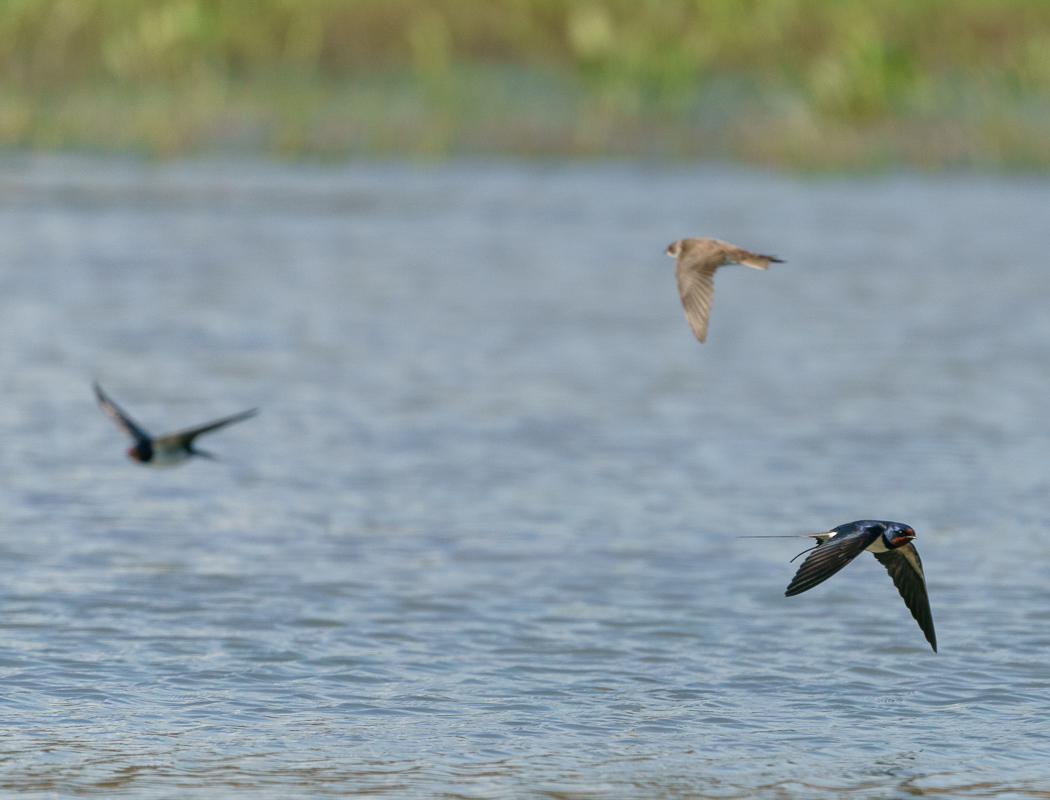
(809, 83)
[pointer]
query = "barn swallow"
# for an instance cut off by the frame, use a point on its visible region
(697, 260)
(169, 449)
(889, 542)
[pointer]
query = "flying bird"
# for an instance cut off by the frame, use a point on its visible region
(697, 260)
(169, 449)
(889, 542)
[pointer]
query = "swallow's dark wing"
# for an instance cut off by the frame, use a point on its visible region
(115, 413)
(905, 567)
(827, 559)
(188, 435)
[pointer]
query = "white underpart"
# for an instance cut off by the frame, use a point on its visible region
(878, 546)
(911, 555)
(168, 456)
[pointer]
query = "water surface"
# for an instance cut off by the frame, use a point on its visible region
(480, 542)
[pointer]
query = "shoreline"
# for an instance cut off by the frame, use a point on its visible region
(495, 111)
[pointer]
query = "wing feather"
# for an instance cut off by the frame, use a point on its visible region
(115, 413)
(696, 286)
(829, 558)
(905, 567)
(189, 434)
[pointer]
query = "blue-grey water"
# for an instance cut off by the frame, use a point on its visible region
(481, 540)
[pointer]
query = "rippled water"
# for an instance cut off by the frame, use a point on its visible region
(480, 542)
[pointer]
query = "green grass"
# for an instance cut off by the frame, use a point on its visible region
(813, 83)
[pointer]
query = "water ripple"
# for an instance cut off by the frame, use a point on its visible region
(480, 542)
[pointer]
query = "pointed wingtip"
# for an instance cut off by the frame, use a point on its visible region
(798, 587)
(239, 417)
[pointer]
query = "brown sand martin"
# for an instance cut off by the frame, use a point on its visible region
(889, 542)
(697, 260)
(169, 449)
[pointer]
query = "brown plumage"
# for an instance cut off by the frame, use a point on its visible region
(697, 260)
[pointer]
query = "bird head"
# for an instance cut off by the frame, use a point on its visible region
(674, 249)
(142, 451)
(898, 535)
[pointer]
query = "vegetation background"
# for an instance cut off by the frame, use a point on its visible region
(800, 83)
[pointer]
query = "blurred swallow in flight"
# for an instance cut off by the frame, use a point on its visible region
(696, 262)
(889, 542)
(169, 449)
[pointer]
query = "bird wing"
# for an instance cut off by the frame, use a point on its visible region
(115, 413)
(189, 434)
(695, 278)
(828, 558)
(905, 567)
